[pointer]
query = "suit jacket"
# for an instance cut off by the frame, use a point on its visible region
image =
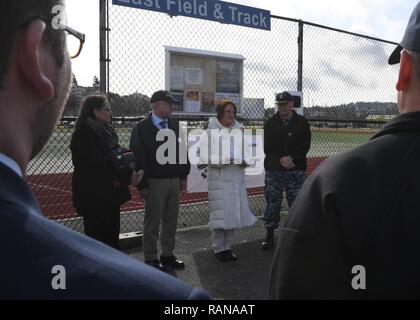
(31, 246)
(144, 145)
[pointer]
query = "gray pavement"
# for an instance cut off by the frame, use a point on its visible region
(245, 279)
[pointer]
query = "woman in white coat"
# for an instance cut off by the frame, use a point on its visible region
(222, 149)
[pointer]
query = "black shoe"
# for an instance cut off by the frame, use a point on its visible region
(226, 256)
(231, 255)
(172, 262)
(222, 256)
(156, 264)
(266, 245)
(269, 240)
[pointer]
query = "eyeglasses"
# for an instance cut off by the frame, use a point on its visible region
(75, 42)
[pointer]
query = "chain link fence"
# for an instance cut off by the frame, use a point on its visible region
(347, 85)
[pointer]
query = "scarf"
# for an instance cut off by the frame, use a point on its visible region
(105, 131)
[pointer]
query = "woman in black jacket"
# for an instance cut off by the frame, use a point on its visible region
(98, 189)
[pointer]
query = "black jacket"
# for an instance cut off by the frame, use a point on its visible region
(144, 145)
(292, 140)
(94, 181)
(31, 245)
(361, 207)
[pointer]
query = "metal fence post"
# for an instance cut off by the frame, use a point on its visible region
(103, 45)
(300, 57)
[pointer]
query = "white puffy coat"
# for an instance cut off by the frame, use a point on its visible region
(229, 208)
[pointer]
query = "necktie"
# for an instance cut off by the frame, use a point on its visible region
(163, 124)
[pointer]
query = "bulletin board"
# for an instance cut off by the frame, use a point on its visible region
(198, 79)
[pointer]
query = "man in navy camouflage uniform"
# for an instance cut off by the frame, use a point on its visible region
(287, 139)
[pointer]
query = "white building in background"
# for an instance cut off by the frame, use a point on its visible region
(81, 91)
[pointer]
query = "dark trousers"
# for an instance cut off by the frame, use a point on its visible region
(102, 223)
(275, 183)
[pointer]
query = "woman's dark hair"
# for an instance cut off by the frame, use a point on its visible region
(221, 106)
(89, 104)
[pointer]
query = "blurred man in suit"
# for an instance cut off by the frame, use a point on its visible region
(42, 259)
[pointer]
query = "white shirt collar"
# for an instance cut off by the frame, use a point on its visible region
(157, 120)
(11, 164)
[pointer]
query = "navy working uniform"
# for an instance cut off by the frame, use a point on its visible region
(290, 137)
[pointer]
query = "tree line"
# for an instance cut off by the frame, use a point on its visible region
(132, 105)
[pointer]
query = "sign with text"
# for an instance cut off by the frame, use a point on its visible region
(203, 78)
(220, 11)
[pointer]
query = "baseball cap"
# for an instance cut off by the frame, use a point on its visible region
(283, 97)
(162, 95)
(411, 40)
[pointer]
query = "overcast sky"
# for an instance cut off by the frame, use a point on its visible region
(379, 18)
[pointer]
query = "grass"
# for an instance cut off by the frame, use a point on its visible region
(329, 142)
(341, 137)
(56, 156)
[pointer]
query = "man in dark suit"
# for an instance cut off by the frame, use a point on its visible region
(42, 259)
(164, 177)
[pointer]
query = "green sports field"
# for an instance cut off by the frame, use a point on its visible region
(329, 142)
(56, 156)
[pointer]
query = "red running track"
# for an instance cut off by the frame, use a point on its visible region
(53, 192)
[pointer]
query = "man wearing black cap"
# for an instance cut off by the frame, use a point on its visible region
(287, 139)
(162, 183)
(354, 230)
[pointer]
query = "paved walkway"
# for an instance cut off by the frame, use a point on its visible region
(245, 279)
